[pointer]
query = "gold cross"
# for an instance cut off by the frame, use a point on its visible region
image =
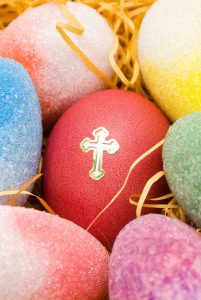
(98, 146)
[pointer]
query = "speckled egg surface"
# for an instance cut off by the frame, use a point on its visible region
(20, 128)
(182, 163)
(48, 258)
(156, 258)
(59, 75)
(170, 56)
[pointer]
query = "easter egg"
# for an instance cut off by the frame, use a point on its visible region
(182, 163)
(20, 128)
(155, 257)
(46, 257)
(59, 75)
(170, 57)
(89, 153)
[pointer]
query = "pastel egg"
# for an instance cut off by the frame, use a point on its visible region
(59, 75)
(89, 153)
(20, 128)
(170, 57)
(45, 257)
(155, 257)
(182, 163)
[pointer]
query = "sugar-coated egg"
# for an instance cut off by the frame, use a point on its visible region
(182, 163)
(59, 75)
(20, 128)
(170, 56)
(155, 258)
(46, 257)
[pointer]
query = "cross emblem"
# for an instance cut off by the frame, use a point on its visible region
(98, 146)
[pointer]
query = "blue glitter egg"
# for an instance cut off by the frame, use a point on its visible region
(20, 128)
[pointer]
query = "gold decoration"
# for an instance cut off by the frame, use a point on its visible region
(98, 146)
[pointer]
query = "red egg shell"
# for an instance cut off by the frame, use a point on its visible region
(136, 124)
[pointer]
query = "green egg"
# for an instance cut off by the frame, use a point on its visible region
(182, 163)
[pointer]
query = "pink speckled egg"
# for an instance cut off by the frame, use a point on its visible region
(48, 258)
(59, 75)
(156, 258)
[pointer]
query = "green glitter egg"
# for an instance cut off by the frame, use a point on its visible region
(182, 163)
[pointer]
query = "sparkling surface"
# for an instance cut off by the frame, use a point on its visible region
(46, 257)
(58, 73)
(20, 128)
(182, 163)
(170, 56)
(155, 258)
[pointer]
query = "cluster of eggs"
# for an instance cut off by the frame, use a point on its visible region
(95, 136)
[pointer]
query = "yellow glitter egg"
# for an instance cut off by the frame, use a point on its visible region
(169, 51)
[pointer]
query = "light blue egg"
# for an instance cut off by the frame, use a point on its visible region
(20, 128)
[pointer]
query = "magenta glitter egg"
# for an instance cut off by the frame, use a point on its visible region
(156, 258)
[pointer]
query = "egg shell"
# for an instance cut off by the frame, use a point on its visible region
(182, 163)
(136, 124)
(170, 57)
(20, 128)
(59, 75)
(155, 257)
(46, 257)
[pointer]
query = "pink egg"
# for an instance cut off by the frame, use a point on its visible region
(156, 258)
(59, 75)
(45, 257)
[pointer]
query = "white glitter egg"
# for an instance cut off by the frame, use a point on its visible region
(169, 51)
(44, 257)
(60, 76)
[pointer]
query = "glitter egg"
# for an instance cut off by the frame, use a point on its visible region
(46, 257)
(20, 128)
(80, 178)
(170, 56)
(182, 163)
(157, 258)
(59, 75)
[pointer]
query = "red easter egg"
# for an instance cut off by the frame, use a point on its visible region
(89, 153)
